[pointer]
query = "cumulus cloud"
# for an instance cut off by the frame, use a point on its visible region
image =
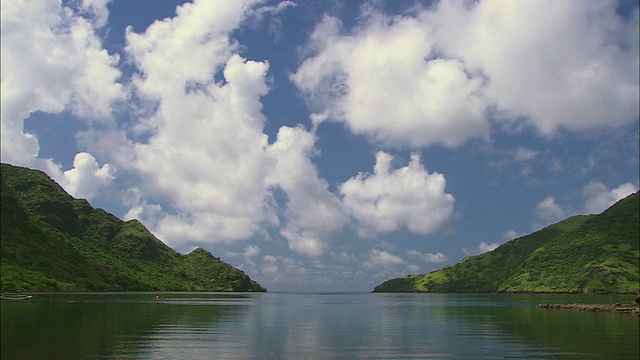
(274, 9)
(343, 256)
(598, 197)
(207, 157)
(205, 154)
(428, 257)
(524, 154)
(249, 254)
(96, 10)
(271, 269)
(549, 211)
(434, 76)
(197, 36)
(87, 178)
(312, 211)
(251, 251)
(285, 270)
(310, 203)
(482, 248)
(304, 241)
(408, 198)
(52, 61)
(381, 259)
(377, 81)
(569, 64)
(510, 235)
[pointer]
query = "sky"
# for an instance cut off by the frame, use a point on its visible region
(327, 145)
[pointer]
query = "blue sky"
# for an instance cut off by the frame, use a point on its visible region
(327, 145)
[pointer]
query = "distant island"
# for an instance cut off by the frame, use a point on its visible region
(50, 241)
(582, 254)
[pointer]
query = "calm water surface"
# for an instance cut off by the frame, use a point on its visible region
(313, 326)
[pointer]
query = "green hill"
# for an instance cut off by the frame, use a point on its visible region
(582, 254)
(50, 241)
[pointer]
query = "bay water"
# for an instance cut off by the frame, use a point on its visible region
(313, 326)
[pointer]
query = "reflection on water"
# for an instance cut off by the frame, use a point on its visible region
(312, 326)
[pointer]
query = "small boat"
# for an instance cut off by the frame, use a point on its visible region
(16, 297)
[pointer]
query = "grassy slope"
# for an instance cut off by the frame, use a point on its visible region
(50, 241)
(582, 254)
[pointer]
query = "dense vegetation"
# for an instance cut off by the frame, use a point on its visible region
(582, 254)
(50, 241)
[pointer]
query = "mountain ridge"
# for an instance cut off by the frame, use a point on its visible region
(50, 241)
(581, 254)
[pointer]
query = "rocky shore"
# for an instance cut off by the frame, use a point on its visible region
(633, 309)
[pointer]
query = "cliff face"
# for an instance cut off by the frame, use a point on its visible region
(52, 242)
(582, 254)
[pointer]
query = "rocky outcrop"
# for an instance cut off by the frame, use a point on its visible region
(633, 309)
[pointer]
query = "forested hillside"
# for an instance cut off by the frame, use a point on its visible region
(50, 241)
(582, 254)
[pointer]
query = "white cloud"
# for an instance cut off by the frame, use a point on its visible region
(482, 248)
(549, 211)
(274, 9)
(251, 251)
(186, 49)
(524, 154)
(407, 198)
(598, 197)
(52, 60)
(428, 257)
(285, 270)
(207, 158)
(97, 10)
(270, 269)
(140, 209)
(510, 235)
(184, 228)
(206, 152)
(309, 202)
(377, 259)
(567, 64)
(307, 242)
(432, 77)
(377, 81)
(343, 256)
(87, 178)
(312, 212)
(207, 155)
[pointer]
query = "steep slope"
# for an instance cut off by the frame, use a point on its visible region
(582, 254)
(50, 241)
